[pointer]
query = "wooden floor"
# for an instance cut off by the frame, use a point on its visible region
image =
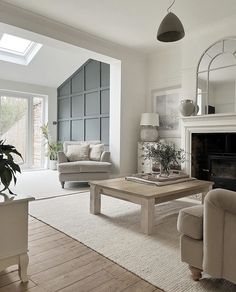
(60, 263)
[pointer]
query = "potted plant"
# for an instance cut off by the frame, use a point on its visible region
(8, 168)
(52, 148)
(167, 155)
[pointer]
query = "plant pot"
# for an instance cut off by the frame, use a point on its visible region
(53, 164)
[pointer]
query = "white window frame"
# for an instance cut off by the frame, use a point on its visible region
(28, 164)
(19, 58)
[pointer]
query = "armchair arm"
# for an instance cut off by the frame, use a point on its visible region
(219, 229)
(62, 157)
(105, 157)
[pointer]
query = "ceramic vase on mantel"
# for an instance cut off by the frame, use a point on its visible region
(187, 107)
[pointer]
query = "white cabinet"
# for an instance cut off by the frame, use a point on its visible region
(14, 234)
(144, 165)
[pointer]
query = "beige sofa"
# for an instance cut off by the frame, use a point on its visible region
(84, 170)
(208, 240)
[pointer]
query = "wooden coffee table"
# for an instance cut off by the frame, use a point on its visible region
(145, 195)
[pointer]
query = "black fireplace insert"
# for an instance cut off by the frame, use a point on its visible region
(214, 158)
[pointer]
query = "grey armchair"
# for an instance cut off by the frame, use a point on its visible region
(85, 170)
(208, 237)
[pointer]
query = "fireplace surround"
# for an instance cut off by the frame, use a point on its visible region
(210, 145)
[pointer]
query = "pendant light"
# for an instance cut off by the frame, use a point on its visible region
(171, 29)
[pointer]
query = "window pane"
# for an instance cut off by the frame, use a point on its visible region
(38, 142)
(14, 121)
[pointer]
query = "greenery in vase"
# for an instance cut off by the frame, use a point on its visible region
(165, 154)
(52, 147)
(8, 168)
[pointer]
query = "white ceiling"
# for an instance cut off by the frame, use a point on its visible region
(52, 65)
(132, 23)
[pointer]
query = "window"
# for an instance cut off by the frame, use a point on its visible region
(17, 50)
(21, 116)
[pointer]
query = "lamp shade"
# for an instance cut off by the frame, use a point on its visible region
(149, 119)
(171, 29)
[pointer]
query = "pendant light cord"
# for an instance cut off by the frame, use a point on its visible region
(168, 9)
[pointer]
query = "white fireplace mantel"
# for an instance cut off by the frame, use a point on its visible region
(215, 123)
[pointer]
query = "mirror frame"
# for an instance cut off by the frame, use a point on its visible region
(208, 70)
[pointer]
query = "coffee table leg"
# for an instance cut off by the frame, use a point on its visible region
(147, 215)
(95, 200)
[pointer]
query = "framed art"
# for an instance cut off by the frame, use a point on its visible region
(166, 104)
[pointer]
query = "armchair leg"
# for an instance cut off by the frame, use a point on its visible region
(196, 273)
(62, 184)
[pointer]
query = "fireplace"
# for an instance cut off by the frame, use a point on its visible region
(214, 158)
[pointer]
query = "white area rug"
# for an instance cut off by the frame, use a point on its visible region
(43, 184)
(116, 234)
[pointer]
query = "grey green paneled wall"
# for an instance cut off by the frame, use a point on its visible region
(83, 104)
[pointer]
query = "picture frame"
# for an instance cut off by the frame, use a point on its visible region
(166, 103)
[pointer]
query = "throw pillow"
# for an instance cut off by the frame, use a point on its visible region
(96, 151)
(78, 152)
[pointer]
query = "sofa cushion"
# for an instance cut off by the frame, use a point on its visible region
(84, 166)
(190, 222)
(95, 151)
(66, 143)
(78, 152)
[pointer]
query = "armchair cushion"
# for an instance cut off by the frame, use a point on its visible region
(105, 157)
(78, 152)
(84, 167)
(190, 222)
(62, 157)
(95, 151)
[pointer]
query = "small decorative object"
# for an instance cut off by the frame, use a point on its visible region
(187, 107)
(149, 123)
(8, 168)
(171, 29)
(53, 148)
(166, 154)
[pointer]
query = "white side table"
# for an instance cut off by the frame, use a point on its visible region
(144, 165)
(14, 234)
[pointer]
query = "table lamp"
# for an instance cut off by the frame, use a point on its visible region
(149, 123)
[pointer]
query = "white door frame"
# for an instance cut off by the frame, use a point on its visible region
(29, 134)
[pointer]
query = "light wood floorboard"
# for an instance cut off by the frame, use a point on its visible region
(60, 263)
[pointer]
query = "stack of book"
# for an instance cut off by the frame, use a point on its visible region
(159, 180)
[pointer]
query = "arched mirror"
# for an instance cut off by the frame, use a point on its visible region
(216, 78)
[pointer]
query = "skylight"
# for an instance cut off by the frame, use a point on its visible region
(17, 50)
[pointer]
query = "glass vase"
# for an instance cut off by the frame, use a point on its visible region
(164, 170)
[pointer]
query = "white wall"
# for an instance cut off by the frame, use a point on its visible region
(133, 75)
(51, 94)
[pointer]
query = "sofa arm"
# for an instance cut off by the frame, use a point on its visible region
(105, 157)
(62, 157)
(219, 239)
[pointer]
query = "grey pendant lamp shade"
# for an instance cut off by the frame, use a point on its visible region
(171, 29)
